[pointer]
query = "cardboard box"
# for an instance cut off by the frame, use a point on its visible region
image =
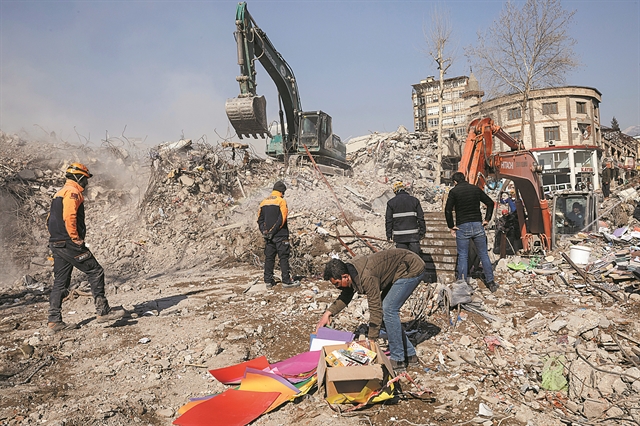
(350, 381)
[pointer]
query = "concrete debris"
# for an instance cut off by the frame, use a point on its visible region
(175, 228)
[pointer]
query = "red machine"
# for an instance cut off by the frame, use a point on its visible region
(479, 164)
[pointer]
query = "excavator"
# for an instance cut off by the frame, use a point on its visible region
(296, 128)
(540, 225)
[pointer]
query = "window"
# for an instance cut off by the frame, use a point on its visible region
(447, 121)
(552, 134)
(582, 158)
(550, 108)
(458, 119)
(461, 131)
(458, 106)
(432, 122)
(514, 113)
(515, 135)
(447, 108)
(432, 110)
(581, 107)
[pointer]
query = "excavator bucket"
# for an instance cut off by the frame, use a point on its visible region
(248, 116)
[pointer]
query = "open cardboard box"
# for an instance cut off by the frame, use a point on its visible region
(350, 381)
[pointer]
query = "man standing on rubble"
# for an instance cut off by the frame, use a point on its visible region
(67, 231)
(465, 199)
(607, 177)
(272, 221)
(404, 220)
(387, 278)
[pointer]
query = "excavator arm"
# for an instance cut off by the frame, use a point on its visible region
(478, 162)
(247, 112)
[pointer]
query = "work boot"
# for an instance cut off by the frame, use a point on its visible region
(55, 327)
(398, 366)
(291, 284)
(270, 284)
(413, 360)
(113, 315)
(492, 286)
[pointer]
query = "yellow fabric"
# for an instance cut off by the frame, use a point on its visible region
(365, 396)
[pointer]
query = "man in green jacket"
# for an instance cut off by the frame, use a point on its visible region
(387, 278)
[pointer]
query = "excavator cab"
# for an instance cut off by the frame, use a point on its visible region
(313, 129)
(573, 212)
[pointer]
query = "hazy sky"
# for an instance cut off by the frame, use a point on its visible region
(163, 69)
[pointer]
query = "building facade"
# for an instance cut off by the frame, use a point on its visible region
(459, 96)
(559, 116)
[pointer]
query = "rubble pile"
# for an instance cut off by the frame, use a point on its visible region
(401, 155)
(175, 229)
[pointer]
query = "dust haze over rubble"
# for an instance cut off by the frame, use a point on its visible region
(174, 226)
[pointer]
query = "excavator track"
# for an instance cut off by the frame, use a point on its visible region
(248, 116)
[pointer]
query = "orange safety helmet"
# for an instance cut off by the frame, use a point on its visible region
(78, 169)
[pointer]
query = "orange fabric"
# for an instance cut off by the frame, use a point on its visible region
(276, 198)
(72, 198)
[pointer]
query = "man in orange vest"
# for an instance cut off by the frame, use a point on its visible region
(272, 221)
(67, 231)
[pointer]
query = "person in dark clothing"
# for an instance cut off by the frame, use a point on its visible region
(607, 177)
(465, 199)
(272, 221)
(404, 220)
(67, 232)
(387, 278)
(575, 218)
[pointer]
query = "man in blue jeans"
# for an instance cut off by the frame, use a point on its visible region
(387, 278)
(465, 199)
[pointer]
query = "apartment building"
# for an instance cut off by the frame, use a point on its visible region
(559, 116)
(459, 96)
(562, 130)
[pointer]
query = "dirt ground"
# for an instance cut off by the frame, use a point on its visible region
(195, 321)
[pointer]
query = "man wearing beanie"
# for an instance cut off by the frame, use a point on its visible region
(272, 221)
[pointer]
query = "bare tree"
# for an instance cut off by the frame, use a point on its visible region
(438, 37)
(525, 49)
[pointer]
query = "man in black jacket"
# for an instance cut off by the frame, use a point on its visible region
(465, 199)
(404, 222)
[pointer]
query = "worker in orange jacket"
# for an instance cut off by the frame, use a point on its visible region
(67, 231)
(272, 221)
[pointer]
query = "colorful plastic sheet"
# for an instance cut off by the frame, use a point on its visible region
(262, 381)
(298, 365)
(230, 408)
(233, 375)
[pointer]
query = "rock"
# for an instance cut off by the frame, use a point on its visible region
(165, 412)
(186, 181)
(236, 336)
(633, 372)
(27, 174)
(557, 325)
(615, 412)
(619, 386)
(593, 409)
(212, 349)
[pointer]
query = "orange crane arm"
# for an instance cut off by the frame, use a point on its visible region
(519, 165)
